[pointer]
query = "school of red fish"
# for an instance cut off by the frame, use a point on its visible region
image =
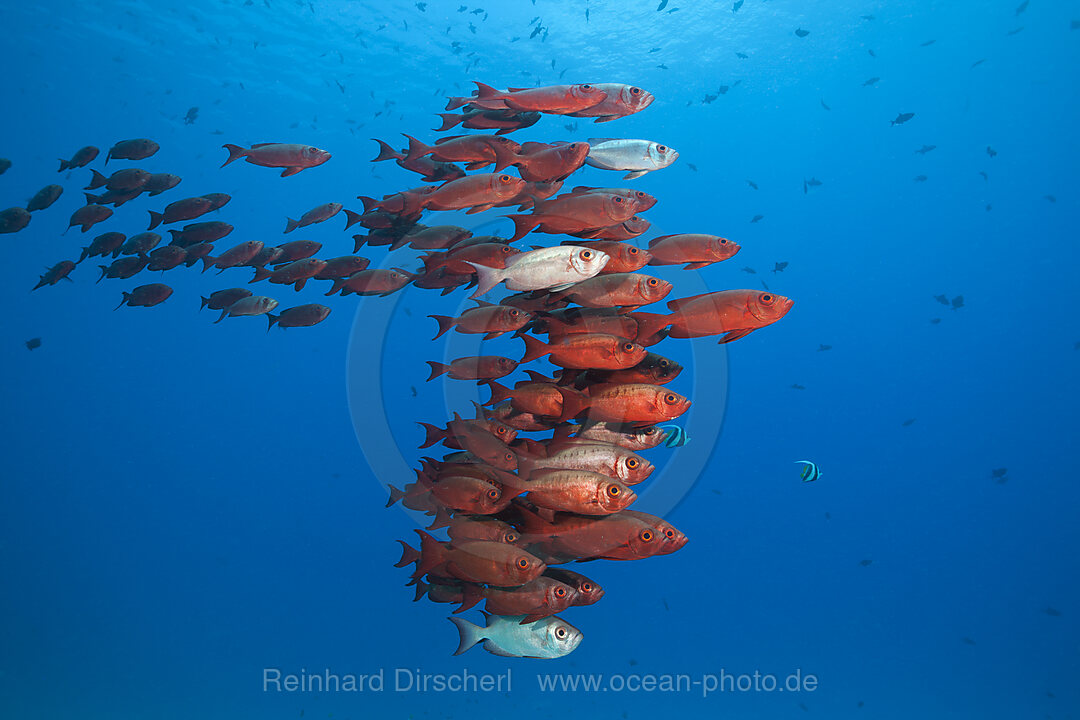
(514, 507)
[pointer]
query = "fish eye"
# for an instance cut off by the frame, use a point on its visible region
(723, 241)
(586, 254)
(586, 587)
(617, 199)
(511, 537)
(650, 431)
(632, 251)
(670, 398)
(635, 91)
(766, 299)
(628, 347)
(508, 457)
(613, 490)
(669, 533)
(514, 313)
(646, 536)
(586, 87)
(560, 633)
(664, 362)
(662, 148)
(560, 592)
(523, 563)
(504, 178)
(493, 494)
(506, 249)
(653, 282)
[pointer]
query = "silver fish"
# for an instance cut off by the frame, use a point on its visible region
(554, 268)
(547, 638)
(637, 156)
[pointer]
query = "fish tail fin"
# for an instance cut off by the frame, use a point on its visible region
(358, 242)
(421, 590)
(445, 323)
(261, 273)
(205, 302)
(291, 224)
(486, 92)
(370, 203)
(524, 224)
(207, 262)
(96, 180)
(235, 153)
(409, 554)
(224, 314)
(453, 103)
(469, 634)
(449, 120)
(504, 157)
(126, 296)
(534, 348)
(442, 519)
(437, 369)
(650, 323)
(155, 219)
(434, 434)
(339, 283)
(85, 254)
(574, 403)
(351, 218)
(432, 554)
(104, 272)
(486, 278)
(470, 595)
(63, 165)
(498, 393)
(416, 148)
(395, 495)
(271, 319)
(386, 152)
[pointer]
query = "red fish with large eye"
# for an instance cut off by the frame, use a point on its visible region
(623, 290)
(576, 321)
(653, 370)
(623, 231)
(567, 537)
(621, 100)
(233, 257)
(491, 320)
(290, 156)
(574, 213)
(642, 200)
(697, 251)
(87, 216)
(372, 282)
(540, 162)
(186, 209)
(204, 232)
(476, 118)
(635, 404)
(296, 273)
(82, 157)
(457, 261)
(625, 258)
(588, 591)
(463, 529)
(56, 273)
(735, 313)
(552, 99)
(342, 267)
(476, 150)
(542, 399)
(586, 351)
(475, 192)
(430, 169)
(481, 368)
(495, 564)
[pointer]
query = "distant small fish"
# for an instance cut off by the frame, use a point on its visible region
(804, 707)
(692, 166)
(780, 267)
(867, 17)
(902, 118)
(1021, 7)
(421, 6)
(824, 105)
(478, 11)
(958, 302)
(810, 472)
(571, 127)
(662, 5)
(665, 604)
(977, 63)
(662, 66)
(871, 81)
(802, 33)
(1015, 31)
(192, 113)
(989, 207)
(1052, 612)
(472, 28)
(413, 389)
(1050, 198)
(828, 515)
(920, 178)
(984, 175)
(967, 641)
(908, 423)
(752, 184)
(935, 321)
(797, 386)
(757, 218)
(866, 563)
(925, 149)
(655, 50)
(823, 348)
(943, 299)
(33, 343)
(749, 270)
(998, 472)
(928, 43)
(991, 151)
(872, 53)
(736, 6)
(742, 56)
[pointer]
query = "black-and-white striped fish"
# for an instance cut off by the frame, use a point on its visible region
(811, 472)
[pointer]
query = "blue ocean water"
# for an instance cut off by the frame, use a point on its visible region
(186, 505)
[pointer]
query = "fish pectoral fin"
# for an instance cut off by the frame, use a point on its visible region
(478, 208)
(634, 174)
(734, 335)
(494, 649)
(605, 118)
(696, 265)
(290, 171)
(597, 141)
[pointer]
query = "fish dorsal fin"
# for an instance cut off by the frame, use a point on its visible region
(597, 141)
(537, 377)
(259, 145)
(442, 140)
(676, 305)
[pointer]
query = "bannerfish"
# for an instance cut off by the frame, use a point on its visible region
(675, 437)
(810, 473)
(547, 638)
(636, 156)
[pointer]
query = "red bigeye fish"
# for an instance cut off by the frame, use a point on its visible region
(81, 158)
(653, 370)
(623, 290)
(491, 320)
(299, 316)
(642, 200)
(496, 564)
(574, 213)
(233, 257)
(624, 231)
(542, 399)
(44, 198)
(635, 404)
(342, 267)
(186, 209)
(222, 299)
(295, 273)
(475, 192)
(480, 368)
(553, 99)
(103, 245)
(430, 169)
(137, 149)
(372, 282)
(296, 250)
(476, 118)
(248, 306)
(204, 232)
(574, 321)
(587, 591)
(697, 251)
(166, 258)
(140, 244)
(124, 268)
(621, 100)
(146, 296)
(457, 261)
(87, 216)
(55, 274)
(16, 218)
(586, 351)
(463, 529)
(438, 237)
(535, 600)
(292, 157)
(320, 214)
(160, 182)
(735, 313)
(476, 150)
(540, 162)
(120, 181)
(578, 491)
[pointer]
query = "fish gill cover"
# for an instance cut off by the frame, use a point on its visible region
(183, 474)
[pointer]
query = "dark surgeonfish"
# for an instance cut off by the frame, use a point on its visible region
(902, 118)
